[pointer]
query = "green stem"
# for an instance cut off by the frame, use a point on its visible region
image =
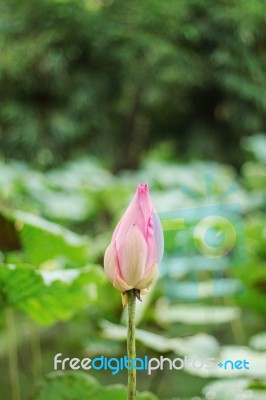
(36, 351)
(236, 325)
(12, 354)
(131, 345)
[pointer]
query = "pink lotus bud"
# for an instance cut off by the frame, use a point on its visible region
(131, 260)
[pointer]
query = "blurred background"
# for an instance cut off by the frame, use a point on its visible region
(97, 96)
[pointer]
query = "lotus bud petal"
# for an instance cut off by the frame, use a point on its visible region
(131, 260)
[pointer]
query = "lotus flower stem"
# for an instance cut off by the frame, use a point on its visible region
(131, 345)
(131, 262)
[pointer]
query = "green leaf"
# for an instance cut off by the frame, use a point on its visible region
(49, 296)
(232, 389)
(184, 290)
(201, 344)
(195, 314)
(257, 364)
(258, 342)
(67, 386)
(63, 205)
(78, 385)
(43, 240)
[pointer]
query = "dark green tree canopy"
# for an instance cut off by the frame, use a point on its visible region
(82, 76)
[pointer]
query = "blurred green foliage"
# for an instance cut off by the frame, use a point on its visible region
(79, 385)
(115, 78)
(144, 86)
(53, 277)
